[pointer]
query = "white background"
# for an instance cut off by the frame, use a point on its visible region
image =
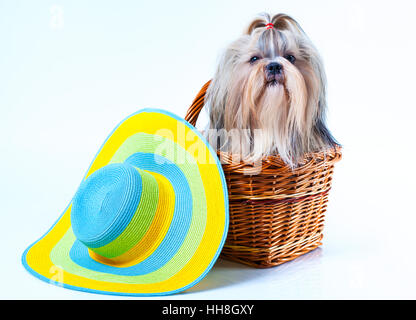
(65, 82)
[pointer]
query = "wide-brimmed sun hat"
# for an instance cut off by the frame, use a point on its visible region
(149, 218)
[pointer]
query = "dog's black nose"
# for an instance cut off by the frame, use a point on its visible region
(274, 68)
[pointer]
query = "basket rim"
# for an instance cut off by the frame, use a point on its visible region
(274, 164)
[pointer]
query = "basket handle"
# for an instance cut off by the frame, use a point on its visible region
(196, 106)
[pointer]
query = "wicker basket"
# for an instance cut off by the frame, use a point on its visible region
(278, 214)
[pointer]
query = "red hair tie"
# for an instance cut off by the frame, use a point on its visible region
(269, 26)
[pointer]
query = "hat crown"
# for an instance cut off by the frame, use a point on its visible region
(111, 206)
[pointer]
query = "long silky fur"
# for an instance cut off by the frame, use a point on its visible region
(254, 119)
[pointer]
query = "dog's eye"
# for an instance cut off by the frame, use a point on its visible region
(290, 58)
(254, 59)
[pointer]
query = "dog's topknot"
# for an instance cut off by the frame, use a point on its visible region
(280, 21)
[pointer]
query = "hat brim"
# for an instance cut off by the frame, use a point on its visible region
(186, 249)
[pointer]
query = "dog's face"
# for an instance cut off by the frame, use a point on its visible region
(270, 85)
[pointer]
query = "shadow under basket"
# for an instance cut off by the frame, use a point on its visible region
(276, 213)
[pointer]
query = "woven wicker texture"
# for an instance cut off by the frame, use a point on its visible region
(276, 213)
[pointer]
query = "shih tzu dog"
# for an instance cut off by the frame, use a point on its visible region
(267, 96)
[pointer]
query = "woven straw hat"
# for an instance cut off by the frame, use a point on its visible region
(149, 218)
